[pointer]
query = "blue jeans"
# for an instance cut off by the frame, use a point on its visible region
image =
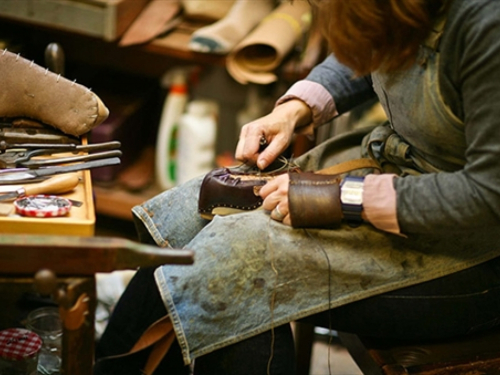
(458, 304)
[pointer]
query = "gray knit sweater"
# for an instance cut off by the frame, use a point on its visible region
(469, 80)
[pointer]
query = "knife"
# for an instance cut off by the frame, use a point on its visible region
(54, 185)
(23, 175)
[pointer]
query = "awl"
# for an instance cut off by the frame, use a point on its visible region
(55, 185)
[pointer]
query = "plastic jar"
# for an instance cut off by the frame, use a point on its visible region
(196, 140)
(19, 349)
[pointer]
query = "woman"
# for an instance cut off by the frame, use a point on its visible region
(423, 262)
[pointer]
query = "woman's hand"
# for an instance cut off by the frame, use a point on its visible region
(276, 128)
(275, 195)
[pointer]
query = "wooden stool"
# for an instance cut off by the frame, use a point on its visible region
(471, 355)
(477, 354)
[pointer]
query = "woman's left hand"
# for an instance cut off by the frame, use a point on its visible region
(275, 195)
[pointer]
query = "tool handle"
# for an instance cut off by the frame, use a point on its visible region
(58, 184)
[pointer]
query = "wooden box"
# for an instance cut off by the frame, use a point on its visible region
(106, 19)
(80, 221)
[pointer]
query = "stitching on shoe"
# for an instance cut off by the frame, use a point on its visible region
(249, 208)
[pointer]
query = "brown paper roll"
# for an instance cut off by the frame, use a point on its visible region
(263, 50)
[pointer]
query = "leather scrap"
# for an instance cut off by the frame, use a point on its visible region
(151, 22)
(256, 57)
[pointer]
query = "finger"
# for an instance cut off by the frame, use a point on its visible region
(275, 148)
(276, 214)
(241, 145)
(272, 201)
(278, 183)
(250, 139)
(287, 220)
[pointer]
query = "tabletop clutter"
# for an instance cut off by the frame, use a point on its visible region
(34, 349)
(44, 120)
(44, 150)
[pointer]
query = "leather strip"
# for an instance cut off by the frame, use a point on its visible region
(152, 335)
(350, 165)
(314, 200)
(160, 348)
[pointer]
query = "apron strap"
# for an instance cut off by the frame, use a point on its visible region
(351, 165)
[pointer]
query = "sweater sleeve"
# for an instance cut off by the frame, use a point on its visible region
(470, 84)
(318, 92)
(331, 89)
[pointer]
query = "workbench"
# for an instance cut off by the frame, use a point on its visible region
(60, 257)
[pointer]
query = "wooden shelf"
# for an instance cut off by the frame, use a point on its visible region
(118, 203)
(150, 59)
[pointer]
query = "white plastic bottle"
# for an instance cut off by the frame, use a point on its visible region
(196, 140)
(166, 141)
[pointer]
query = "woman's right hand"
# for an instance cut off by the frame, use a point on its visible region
(276, 128)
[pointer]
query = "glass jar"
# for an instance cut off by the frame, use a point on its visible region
(46, 323)
(19, 349)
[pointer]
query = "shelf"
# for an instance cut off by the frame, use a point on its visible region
(118, 203)
(150, 59)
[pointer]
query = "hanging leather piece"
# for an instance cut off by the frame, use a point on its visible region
(152, 335)
(159, 351)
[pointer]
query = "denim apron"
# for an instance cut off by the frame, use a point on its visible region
(252, 273)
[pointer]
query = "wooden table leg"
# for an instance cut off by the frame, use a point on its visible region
(78, 335)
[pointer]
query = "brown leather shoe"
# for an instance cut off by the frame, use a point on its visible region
(226, 191)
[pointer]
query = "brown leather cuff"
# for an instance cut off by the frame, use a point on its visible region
(314, 200)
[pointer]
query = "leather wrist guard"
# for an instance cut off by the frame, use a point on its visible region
(314, 200)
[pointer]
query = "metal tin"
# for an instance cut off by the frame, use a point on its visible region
(19, 349)
(42, 206)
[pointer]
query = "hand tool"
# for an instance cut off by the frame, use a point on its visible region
(11, 134)
(24, 175)
(23, 158)
(60, 147)
(54, 185)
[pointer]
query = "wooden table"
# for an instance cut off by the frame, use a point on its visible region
(62, 256)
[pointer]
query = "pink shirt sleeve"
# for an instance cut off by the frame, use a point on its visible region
(379, 195)
(379, 202)
(317, 98)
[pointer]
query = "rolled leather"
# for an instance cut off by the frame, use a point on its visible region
(314, 200)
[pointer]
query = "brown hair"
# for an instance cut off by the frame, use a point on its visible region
(370, 35)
